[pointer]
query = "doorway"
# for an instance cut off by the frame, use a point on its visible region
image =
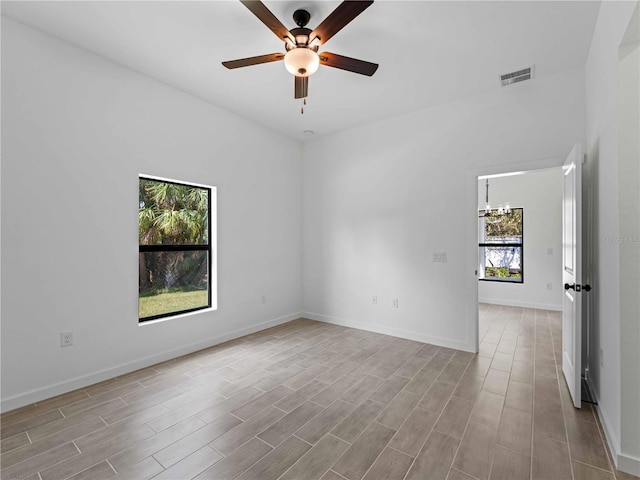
(525, 274)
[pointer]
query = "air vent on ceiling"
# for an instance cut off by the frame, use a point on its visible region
(519, 76)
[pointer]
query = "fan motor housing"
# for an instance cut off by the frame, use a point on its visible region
(301, 36)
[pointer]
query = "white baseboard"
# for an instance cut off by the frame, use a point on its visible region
(49, 391)
(623, 462)
(628, 464)
(395, 332)
(512, 303)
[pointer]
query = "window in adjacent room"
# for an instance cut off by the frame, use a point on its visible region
(175, 267)
(501, 247)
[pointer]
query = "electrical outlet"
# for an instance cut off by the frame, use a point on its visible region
(66, 339)
(394, 303)
(263, 299)
(602, 358)
(374, 300)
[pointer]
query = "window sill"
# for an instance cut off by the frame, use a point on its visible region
(174, 317)
(501, 280)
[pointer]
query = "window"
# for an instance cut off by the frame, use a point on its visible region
(174, 264)
(501, 254)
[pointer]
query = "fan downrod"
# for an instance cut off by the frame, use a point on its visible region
(301, 17)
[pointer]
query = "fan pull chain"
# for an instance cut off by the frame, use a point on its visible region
(304, 102)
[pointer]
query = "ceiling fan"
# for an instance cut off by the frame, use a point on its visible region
(302, 58)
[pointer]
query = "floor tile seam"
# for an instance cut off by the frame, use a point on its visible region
(301, 426)
(602, 442)
(19, 410)
(79, 452)
(264, 441)
(462, 363)
(400, 451)
(278, 408)
(36, 416)
(533, 401)
(506, 447)
(606, 446)
(329, 434)
(41, 453)
(312, 445)
(533, 404)
(86, 390)
(205, 424)
(612, 472)
(97, 463)
(402, 376)
(566, 408)
(93, 406)
(460, 444)
(294, 463)
(341, 476)
(564, 422)
(384, 405)
(493, 454)
(250, 466)
(497, 427)
(238, 447)
(100, 417)
(464, 473)
(161, 464)
(378, 456)
(362, 433)
(420, 400)
(433, 428)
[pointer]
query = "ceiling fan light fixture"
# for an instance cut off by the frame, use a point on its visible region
(301, 61)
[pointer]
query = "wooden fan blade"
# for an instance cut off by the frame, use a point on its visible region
(337, 19)
(301, 85)
(246, 62)
(347, 63)
(269, 19)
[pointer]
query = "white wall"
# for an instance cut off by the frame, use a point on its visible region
(615, 375)
(540, 194)
(629, 220)
(379, 200)
(77, 131)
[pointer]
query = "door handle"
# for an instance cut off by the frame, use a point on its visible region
(567, 286)
(577, 288)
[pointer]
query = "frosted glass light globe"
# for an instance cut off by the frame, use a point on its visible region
(301, 61)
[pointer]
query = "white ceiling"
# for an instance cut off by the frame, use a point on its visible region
(429, 52)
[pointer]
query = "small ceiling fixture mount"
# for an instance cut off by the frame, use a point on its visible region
(301, 17)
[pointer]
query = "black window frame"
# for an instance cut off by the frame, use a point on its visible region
(520, 245)
(182, 248)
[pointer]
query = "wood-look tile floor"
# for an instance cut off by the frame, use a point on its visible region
(308, 400)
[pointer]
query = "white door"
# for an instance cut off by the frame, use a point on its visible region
(572, 273)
